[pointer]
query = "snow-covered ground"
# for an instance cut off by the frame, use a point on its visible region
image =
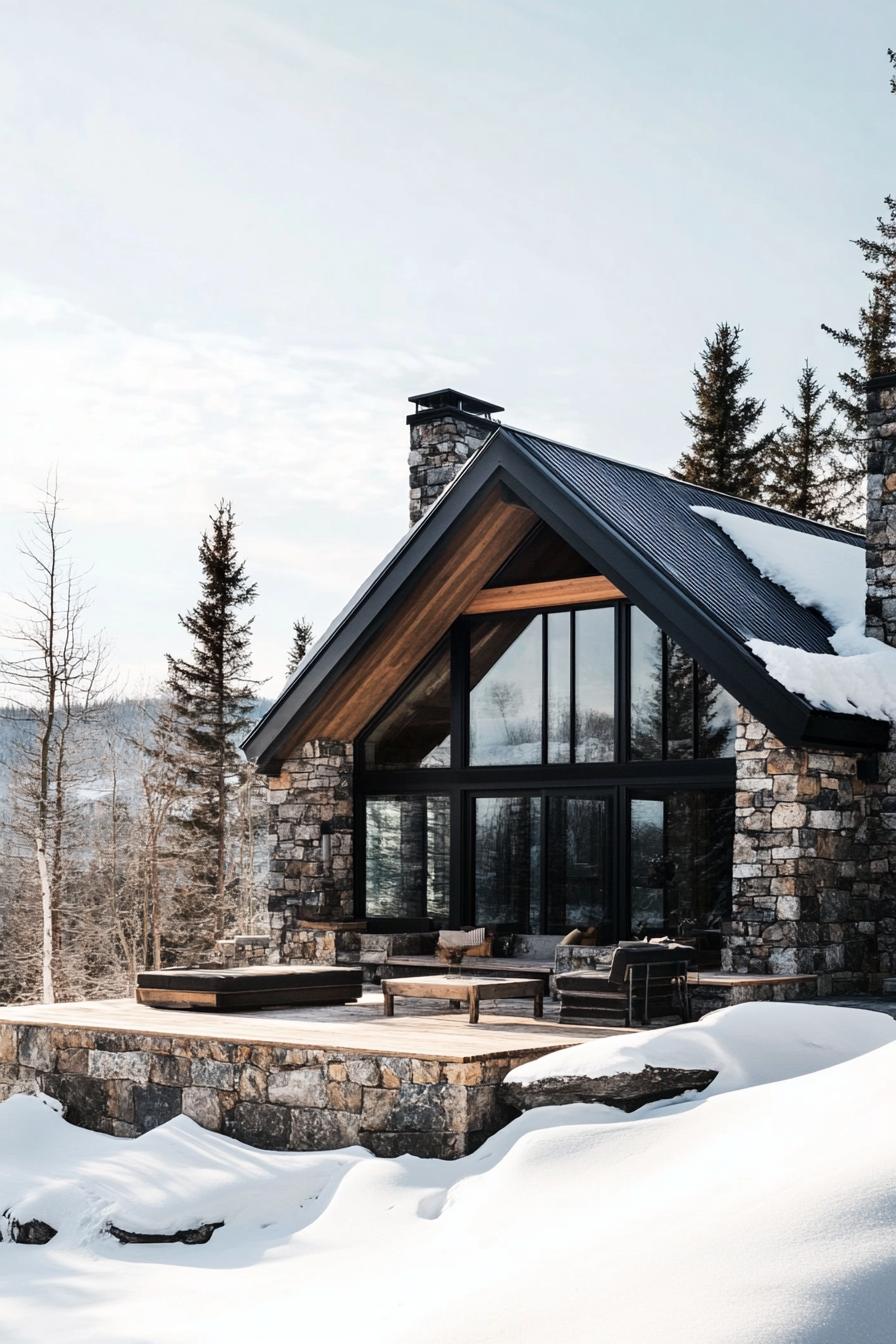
(763, 1211)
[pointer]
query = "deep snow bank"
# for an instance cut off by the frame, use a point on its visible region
(748, 1044)
(766, 1215)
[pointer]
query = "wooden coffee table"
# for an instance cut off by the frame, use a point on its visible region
(462, 989)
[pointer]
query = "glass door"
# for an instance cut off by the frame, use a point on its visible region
(540, 861)
(578, 890)
(506, 853)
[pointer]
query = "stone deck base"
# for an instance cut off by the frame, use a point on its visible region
(285, 1093)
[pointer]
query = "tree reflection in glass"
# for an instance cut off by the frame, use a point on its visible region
(596, 684)
(505, 691)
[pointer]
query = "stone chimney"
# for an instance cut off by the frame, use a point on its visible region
(447, 428)
(880, 598)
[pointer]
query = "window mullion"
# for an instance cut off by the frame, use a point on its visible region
(572, 687)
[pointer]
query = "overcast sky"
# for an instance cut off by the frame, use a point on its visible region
(236, 237)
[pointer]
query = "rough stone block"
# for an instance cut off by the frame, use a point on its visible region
(154, 1105)
(36, 1048)
(298, 1087)
(170, 1070)
(313, 1130)
(203, 1104)
(133, 1065)
(259, 1124)
(786, 816)
(83, 1099)
(208, 1073)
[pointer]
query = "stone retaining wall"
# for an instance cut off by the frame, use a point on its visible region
(270, 1096)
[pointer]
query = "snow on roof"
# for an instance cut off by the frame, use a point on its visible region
(859, 677)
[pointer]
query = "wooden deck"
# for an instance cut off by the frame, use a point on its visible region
(424, 1032)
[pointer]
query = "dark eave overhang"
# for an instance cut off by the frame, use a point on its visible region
(504, 462)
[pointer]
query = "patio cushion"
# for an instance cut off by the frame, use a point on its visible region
(582, 981)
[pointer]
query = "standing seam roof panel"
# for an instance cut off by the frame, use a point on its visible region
(653, 513)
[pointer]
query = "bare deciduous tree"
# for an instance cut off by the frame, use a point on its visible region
(52, 676)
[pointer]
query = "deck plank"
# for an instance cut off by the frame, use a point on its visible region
(354, 1029)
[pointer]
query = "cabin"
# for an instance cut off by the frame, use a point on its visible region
(579, 694)
(579, 702)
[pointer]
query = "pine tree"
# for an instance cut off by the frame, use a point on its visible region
(807, 461)
(874, 341)
(210, 706)
(721, 456)
(302, 634)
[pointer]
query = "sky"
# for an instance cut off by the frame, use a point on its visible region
(238, 236)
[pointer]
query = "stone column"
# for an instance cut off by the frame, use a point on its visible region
(880, 623)
(313, 789)
(801, 904)
(446, 430)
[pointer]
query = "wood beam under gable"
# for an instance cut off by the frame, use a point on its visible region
(554, 593)
(440, 592)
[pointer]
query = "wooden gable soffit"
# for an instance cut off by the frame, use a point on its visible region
(554, 593)
(441, 590)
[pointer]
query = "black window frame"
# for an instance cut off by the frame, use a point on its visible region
(622, 777)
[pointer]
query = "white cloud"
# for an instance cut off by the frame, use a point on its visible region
(150, 427)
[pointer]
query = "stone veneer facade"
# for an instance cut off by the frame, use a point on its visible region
(270, 1096)
(313, 788)
(801, 900)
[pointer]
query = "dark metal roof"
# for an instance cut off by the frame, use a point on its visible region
(639, 529)
(654, 513)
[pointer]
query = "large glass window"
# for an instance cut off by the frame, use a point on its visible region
(417, 731)
(595, 688)
(510, 659)
(505, 690)
(646, 708)
(407, 856)
(676, 709)
(680, 847)
(716, 717)
(554, 836)
(506, 862)
(577, 889)
(510, 847)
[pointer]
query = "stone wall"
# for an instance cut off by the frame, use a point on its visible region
(312, 788)
(802, 902)
(270, 1096)
(439, 448)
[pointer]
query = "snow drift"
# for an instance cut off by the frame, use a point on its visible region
(761, 1215)
(747, 1045)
